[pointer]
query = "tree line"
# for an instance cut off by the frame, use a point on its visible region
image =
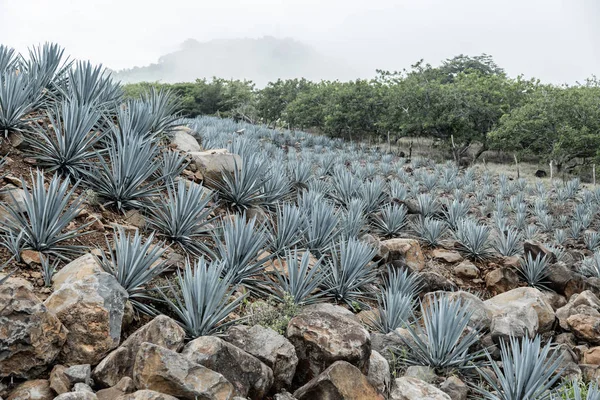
(468, 104)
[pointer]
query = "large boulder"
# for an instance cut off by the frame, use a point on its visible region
(407, 388)
(162, 331)
(77, 270)
(521, 298)
(379, 372)
(513, 321)
(210, 164)
(166, 371)
(407, 250)
(31, 336)
(340, 381)
(249, 376)
(92, 310)
(322, 338)
(182, 139)
(38, 389)
(123, 387)
(269, 347)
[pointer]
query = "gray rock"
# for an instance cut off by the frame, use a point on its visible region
(284, 396)
(166, 371)
(422, 372)
(77, 396)
(82, 387)
(211, 163)
(77, 270)
(407, 388)
(184, 141)
(433, 282)
(584, 303)
(249, 376)
(501, 280)
(79, 374)
(321, 338)
(379, 375)
(162, 331)
(31, 336)
(145, 395)
(514, 321)
(92, 310)
(455, 388)
(13, 197)
(269, 347)
(340, 381)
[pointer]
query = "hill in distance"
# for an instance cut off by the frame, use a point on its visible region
(260, 60)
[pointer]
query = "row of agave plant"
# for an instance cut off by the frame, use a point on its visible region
(320, 198)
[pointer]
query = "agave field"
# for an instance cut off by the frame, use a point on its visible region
(278, 220)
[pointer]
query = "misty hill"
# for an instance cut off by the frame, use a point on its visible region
(260, 60)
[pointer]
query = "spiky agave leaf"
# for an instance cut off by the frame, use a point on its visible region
(528, 371)
(390, 220)
(573, 391)
(18, 98)
(349, 271)
(430, 230)
(473, 239)
(68, 143)
(48, 270)
(172, 164)
(301, 282)
(508, 243)
(534, 270)
(203, 298)
(8, 58)
(590, 266)
(397, 301)
(134, 263)
(455, 210)
(164, 106)
(353, 220)
(122, 180)
(442, 339)
(45, 67)
(183, 217)
(286, 229)
(13, 242)
(91, 85)
(45, 217)
(239, 248)
(241, 189)
(322, 225)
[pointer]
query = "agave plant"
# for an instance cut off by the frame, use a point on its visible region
(172, 164)
(528, 371)
(322, 226)
(349, 271)
(353, 220)
(8, 59)
(203, 298)
(397, 301)
(4, 276)
(48, 270)
(390, 220)
(592, 240)
(46, 215)
(68, 143)
(13, 242)
(45, 67)
(302, 281)
(473, 239)
(92, 86)
(164, 105)
(275, 189)
(183, 216)
(442, 339)
(241, 189)
(239, 248)
(134, 263)
(508, 242)
(455, 211)
(573, 391)
(590, 266)
(123, 179)
(18, 98)
(286, 230)
(427, 204)
(430, 230)
(534, 270)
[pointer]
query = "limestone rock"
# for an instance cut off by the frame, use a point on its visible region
(321, 338)
(77, 270)
(77, 396)
(524, 297)
(78, 374)
(447, 256)
(13, 197)
(145, 395)
(585, 303)
(586, 327)
(501, 280)
(249, 376)
(466, 270)
(592, 356)
(162, 331)
(408, 250)
(184, 141)
(432, 282)
(123, 387)
(422, 372)
(38, 389)
(166, 371)
(407, 388)
(269, 347)
(379, 375)
(59, 382)
(340, 381)
(514, 321)
(31, 336)
(455, 388)
(211, 163)
(92, 310)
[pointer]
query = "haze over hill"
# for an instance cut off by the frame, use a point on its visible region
(260, 60)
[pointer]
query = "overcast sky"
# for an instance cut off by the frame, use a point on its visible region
(555, 40)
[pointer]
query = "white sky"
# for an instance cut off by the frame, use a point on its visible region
(555, 40)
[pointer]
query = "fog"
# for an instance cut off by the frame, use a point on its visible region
(554, 40)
